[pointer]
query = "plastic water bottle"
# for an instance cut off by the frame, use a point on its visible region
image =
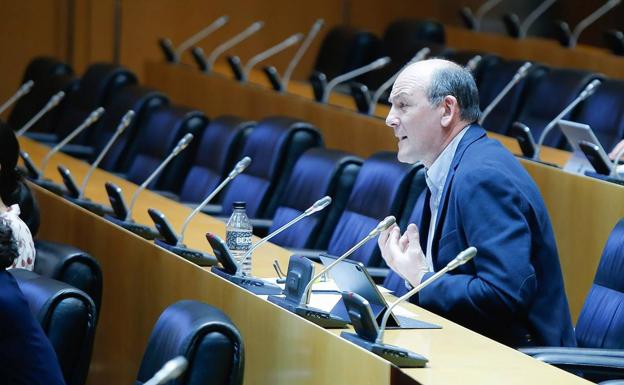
(238, 236)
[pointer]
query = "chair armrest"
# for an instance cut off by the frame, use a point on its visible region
(311, 254)
(46, 137)
(213, 210)
(79, 151)
(604, 367)
(618, 353)
(378, 274)
(612, 382)
(167, 194)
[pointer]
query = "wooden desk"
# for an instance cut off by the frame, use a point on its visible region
(582, 210)
(141, 279)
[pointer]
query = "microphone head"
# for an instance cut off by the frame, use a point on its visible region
(95, 115)
(462, 258)
(126, 120)
(591, 88)
(381, 62)
(173, 368)
(294, 39)
(318, 24)
(256, 26)
(56, 98)
(183, 143)
(524, 69)
(240, 166)
(222, 20)
(27, 86)
(383, 225)
(319, 205)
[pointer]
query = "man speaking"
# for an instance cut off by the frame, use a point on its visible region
(478, 195)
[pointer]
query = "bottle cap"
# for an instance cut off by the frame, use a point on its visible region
(239, 205)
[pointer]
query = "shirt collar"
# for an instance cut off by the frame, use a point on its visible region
(436, 174)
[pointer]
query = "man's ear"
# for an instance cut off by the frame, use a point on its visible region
(450, 111)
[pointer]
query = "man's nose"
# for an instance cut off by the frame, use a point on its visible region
(392, 120)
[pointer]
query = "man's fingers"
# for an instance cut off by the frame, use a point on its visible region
(413, 236)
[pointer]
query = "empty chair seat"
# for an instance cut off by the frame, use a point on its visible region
(219, 149)
(205, 336)
(143, 101)
(157, 136)
(344, 49)
(381, 189)
(318, 172)
(604, 112)
(547, 96)
(67, 316)
(98, 84)
(491, 82)
(274, 146)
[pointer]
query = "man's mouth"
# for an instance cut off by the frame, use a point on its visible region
(402, 138)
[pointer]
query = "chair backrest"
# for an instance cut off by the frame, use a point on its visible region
(41, 68)
(157, 135)
(205, 336)
(491, 82)
(67, 317)
(71, 265)
(463, 57)
(601, 322)
(344, 49)
(317, 173)
(218, 151)
(547, 96)
(381, 189)
(274, 146)
(99, 82)
(604, 112)
(143, 101)
(30, 104)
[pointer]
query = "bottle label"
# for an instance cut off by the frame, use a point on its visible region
(238, 240)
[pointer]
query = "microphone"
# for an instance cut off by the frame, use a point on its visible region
(282, 85)
(53, 102)
(474, 21)
(174, 243)
(381, 62)
(473, 63)
(521, 73)
(374, 343)
(520, 31)
(420, 55)
(86, 203)
(586, 22)
(116, 199)
(196, 38)
(587, 92)
(170, 371)
(316, 207)
(232, 271)
(321, 317)
(292, 40)
(23, 90)
(93, 117)
(212, 57)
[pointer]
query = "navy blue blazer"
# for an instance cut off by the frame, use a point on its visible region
(26, 355)
(512, 291)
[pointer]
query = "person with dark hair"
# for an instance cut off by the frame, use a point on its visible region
(26, 355)
(10, 182)
(477, 194)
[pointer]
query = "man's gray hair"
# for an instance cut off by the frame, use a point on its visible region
(456, 81)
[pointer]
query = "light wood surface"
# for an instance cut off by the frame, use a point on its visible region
(582, 210)
(141, 279)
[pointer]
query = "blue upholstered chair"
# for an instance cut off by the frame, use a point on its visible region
(317, 173)
(143, 101)
(274, 146)
(600, 326)
(205, 336)
(219, 150)
(97, 85)
(547, 96)
(493, 81)
(604, 112)
(68, 318)
(381, 189)
(157, 135)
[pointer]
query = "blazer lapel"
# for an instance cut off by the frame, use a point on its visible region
(474, 133)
